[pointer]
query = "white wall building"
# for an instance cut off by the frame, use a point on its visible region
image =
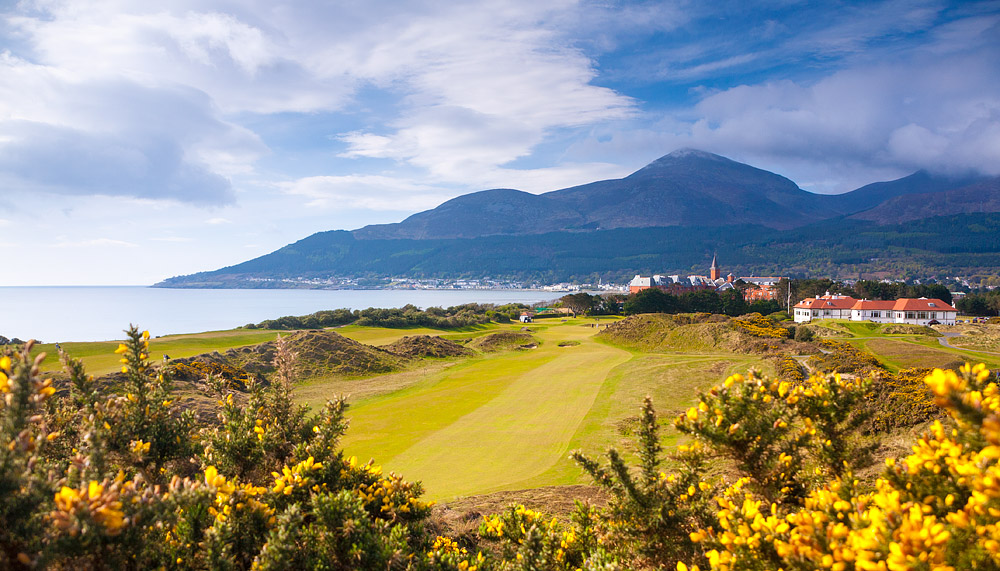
(829, 306)
(904, 310)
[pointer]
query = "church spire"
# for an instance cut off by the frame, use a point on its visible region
(714, 272)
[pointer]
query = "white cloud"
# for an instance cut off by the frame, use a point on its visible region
(94, 243)
(146, 99)
(372, 192)
(217, 221)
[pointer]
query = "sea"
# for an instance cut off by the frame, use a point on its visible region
(100, 313)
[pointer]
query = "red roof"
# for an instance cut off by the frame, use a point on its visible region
(875, 304)
(922, 304)
(827, 302)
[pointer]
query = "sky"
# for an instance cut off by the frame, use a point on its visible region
(141, 140)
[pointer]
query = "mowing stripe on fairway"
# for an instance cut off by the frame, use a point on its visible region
(510, 435)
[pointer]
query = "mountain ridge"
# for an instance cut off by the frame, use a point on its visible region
(685, 200)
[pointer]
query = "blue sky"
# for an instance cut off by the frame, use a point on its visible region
(141, 140)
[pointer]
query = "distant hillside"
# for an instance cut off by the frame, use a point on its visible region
(913, 186)
(956, 245)
(981, 196)
(667, 216)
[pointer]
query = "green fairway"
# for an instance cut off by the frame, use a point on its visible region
(509, 421)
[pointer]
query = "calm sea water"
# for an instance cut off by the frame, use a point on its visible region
(54, 314)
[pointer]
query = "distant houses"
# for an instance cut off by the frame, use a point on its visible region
(904, 310)
(763, 288)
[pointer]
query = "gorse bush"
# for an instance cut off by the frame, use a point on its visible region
(126, 481)
(845, 358)
(97, 479)
(759, 326)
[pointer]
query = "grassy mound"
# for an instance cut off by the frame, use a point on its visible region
(320, 353)
(908, 329)
(977, 337)
(504, 341)
(426, 346)
(659, 332)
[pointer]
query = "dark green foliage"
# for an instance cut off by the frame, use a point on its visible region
(986, 303)
(651, 300)
(732, 302)
(701, 301)
(582, 303)
(867, 289)
(407, 316)
(765, 306)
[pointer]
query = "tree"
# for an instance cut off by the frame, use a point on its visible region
(706, 301)
(652, 300)
(733, 303)
(582, 303)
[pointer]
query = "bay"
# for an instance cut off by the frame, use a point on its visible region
(100, 313)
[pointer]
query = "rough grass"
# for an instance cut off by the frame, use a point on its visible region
(654, 333)
(386, 335)
(319, 354)
(977, 337)
(416, 346)
(904, 354)
(504, 341)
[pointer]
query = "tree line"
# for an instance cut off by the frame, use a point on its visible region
(409, 315)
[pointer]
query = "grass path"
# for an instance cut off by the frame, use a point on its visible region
(458, 431)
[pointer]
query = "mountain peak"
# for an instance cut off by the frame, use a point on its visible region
(688, 152)
(684, 158)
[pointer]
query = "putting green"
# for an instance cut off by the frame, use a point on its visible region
(458, 431)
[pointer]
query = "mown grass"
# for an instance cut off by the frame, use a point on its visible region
(457, 428)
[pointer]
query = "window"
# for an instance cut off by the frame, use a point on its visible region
(909, 315)
(876, 314)
(921, 315)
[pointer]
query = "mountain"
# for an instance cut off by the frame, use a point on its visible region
(666, 216)
(871, 195)
(981, 196)
(685, 188)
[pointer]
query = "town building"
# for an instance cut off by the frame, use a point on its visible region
(763, 288)
(904, 310)
(829, 306)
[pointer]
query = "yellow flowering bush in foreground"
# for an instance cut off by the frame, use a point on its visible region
(93, 478)
(937, 508)
(121, 479)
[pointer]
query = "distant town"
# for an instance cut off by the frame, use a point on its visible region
(753, 287)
